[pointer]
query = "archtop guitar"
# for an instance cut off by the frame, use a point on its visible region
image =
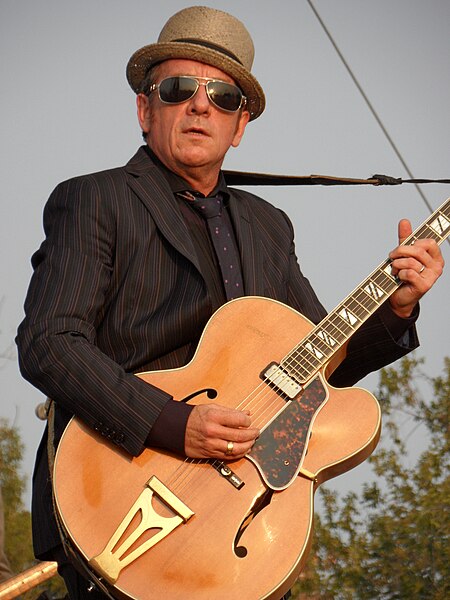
(160, 526)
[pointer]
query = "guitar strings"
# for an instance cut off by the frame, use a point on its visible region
(260, 401)
(307, 357)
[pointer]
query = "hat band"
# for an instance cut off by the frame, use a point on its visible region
(210, 46)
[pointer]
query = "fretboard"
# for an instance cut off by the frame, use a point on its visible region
(328, 337)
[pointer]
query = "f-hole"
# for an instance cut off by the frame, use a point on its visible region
(261, 503)
(210, 392)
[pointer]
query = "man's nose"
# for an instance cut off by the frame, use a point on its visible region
(200, 102)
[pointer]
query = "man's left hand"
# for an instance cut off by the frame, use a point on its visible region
(418, 266)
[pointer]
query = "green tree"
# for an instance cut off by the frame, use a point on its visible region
(18, 544)
(392, 540)
(17, 519)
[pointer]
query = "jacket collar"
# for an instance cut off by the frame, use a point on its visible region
(151, 186)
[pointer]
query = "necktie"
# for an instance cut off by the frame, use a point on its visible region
(211, 209)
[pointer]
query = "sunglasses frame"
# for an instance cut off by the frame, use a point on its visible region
(199, 81)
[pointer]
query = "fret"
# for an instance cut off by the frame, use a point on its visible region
(323, 342)
(387, 272)
(434, 230)
(426, 232)
(361, 311)
(326, 338)
(438, 227)
(340, 328)
(299, 372)
(348, 317)
(314, 349)
(370, 298)
(308, 356)
(385, 279)
(337, 327)
(362, 304)
(300, 359)
(332, 328)
(373, 291)
(319, 346)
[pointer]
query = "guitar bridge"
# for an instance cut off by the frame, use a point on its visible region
(110, 562)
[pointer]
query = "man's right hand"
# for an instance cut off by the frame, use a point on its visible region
(215, 431)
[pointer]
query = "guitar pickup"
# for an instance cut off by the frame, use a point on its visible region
(280, 379)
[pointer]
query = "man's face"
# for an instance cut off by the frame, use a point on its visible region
(194, 135)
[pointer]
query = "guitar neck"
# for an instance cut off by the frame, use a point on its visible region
(334, 331)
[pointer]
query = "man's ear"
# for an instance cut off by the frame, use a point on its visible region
(143, 112)
(240, 128)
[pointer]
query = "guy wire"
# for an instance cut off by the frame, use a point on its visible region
(369, 104)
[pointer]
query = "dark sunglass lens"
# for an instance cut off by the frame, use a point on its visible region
(225, 95)
(177, 89)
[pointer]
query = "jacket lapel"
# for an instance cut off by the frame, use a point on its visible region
(248, 242)
(150, 185)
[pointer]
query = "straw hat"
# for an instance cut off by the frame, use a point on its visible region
(206, 35)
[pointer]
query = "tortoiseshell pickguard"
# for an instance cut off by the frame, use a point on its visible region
(279, 450)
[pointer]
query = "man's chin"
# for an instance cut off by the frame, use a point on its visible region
(197, 159)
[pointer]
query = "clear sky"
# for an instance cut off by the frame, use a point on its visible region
(67, 110)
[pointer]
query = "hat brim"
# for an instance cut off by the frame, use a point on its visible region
(148, 56)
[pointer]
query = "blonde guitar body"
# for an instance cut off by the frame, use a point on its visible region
(197, 530)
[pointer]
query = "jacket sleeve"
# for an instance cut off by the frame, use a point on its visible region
(64, 305)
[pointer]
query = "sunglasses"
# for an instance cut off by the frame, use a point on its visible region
(175, 90)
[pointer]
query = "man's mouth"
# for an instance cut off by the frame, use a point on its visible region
(196, 131)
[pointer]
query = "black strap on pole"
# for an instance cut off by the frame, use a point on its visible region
(246, 178)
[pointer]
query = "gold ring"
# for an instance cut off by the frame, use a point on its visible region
(422, 268)
(230, 447)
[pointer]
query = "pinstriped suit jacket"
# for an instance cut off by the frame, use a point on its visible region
(117, 289)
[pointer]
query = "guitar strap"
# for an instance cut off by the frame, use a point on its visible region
(50, 411)
(246, 178)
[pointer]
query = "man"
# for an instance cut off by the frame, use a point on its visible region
(129, 273)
